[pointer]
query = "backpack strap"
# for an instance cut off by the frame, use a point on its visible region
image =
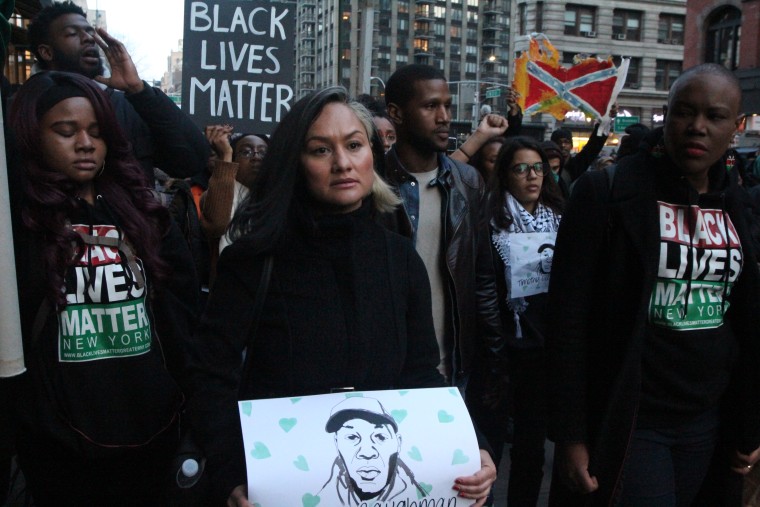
(121, 245)
(258, 306)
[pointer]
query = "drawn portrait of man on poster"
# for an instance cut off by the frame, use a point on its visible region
(546, 257)
(368, 466)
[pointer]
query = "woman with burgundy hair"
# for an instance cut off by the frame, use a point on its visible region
(107, 295)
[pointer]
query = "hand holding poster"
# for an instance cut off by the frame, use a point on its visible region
(238, 62)
(371, 449)
(591, 85)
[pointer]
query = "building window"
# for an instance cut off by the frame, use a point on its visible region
(522, 19)
(580, 20)
(539, 17)
(667, 71)
(723, 34)
(670, 29)
(633, 79)
(626, 25)
(423, 11)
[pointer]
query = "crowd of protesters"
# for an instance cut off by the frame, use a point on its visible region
(606, 302)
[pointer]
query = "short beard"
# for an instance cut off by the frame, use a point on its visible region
(65, 63)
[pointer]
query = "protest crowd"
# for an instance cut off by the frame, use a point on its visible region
(607, 302)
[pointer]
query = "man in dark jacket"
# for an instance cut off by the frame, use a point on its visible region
(161, 134)
(443, 212)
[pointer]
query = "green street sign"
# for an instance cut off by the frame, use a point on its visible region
(621, 122)
(492, 93)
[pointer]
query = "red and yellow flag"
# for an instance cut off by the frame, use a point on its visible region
(543, 85)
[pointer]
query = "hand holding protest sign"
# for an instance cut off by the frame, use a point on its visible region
(386, 448)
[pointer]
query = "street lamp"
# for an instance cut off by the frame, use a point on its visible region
(476, 102)
(381, 82)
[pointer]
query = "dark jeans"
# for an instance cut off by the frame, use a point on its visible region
(490, 418)
(666, 467)
(527, 368)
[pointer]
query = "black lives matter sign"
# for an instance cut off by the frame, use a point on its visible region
(238, 63)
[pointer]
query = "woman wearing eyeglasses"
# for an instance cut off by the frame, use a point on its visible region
(235, 168)
(524, 207)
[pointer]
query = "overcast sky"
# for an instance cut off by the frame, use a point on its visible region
(150, 29)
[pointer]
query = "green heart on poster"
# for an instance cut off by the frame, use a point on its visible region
(246, 406)
(398, 415)
(354, 395)
(301, 463)
(460, 458)
(454, 392)
(525, 248)
(260, 451)
(445, 417)
(415, 454)
(310, 500)
(427, 487)
(294, 400)
(403, 393)
(288, 424)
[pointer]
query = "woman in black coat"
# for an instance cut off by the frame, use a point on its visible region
(348, 303)
(654, 339)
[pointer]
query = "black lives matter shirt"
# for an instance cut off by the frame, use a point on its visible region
(105, 363)
(688, 353)
(106, 315)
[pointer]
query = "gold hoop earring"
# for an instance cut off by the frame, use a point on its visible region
(101, 169)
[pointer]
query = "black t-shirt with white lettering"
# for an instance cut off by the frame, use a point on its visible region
(689, 349)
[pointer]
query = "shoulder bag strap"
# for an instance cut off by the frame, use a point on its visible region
(258, 306)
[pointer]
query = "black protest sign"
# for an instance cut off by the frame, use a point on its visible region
(238, 63)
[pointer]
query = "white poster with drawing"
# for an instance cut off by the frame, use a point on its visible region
(530, 256)
(399, 448)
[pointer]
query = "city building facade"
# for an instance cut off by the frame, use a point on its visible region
(360, 43)
(475, 42)
(650, 33)
(728, 32)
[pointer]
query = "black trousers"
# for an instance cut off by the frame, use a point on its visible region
(56, 476)
(528, 382)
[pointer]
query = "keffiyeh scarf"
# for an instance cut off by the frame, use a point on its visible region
(543, 220)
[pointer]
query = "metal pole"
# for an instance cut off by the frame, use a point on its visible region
(476, 100)
(11, 346)
(368, 25)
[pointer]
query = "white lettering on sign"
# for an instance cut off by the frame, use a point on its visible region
(256, 23)
(249, 100)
